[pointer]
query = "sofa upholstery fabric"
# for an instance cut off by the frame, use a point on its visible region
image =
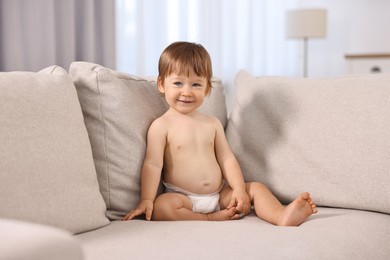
(332, 234)
(328, 136)
(29, 241)
(47, 172)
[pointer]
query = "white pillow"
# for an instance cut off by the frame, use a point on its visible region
(327, 136)
(118, 110)
(47, 173)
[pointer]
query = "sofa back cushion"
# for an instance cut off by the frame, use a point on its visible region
(47, 173)
(118, 110)
(327, 136)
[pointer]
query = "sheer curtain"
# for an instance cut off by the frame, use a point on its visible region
(239, 34)
(39, 33)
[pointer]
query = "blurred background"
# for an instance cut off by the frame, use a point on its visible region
(129, 35)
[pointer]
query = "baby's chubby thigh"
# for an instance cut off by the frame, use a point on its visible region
(225, 197)
(167, 204)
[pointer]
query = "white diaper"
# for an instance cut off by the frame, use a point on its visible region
(201, 203)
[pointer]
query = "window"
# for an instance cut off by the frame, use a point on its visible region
(239, 34)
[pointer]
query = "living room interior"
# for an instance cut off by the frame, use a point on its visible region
(129, 35)
(303, 109)
(353, 27)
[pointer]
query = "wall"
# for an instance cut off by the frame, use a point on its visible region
(354, 26)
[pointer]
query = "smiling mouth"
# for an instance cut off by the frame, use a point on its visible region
(185, 101)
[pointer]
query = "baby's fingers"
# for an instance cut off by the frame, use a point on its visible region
(148, 214)
(128, 216)
(243, 206)
(132, 214)
(232, 203)
(238, 216)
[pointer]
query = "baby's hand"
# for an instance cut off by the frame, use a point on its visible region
(144, 207)
(240, 200)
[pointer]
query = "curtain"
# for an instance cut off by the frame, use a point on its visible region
(239, 34)
(39, 33)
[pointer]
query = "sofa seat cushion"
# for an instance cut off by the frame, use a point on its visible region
(329, 136)
(47, 174)
(331, 234)
(29, 241)
(118, 109)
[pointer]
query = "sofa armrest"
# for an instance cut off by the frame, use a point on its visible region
(23, 240)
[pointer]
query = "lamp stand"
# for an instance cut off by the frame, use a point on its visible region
(305, 46)
(305, 24)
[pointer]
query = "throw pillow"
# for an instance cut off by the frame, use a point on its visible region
(118, 110)
(328, 136)
(47, 173)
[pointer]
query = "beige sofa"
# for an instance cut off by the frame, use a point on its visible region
(72, 144)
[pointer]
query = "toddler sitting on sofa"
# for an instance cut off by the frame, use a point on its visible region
(191, 150)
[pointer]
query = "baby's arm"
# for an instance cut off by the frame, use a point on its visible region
(151, 171)
(231, 171)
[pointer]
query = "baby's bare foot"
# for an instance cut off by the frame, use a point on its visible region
(298, 211)
(226, 214)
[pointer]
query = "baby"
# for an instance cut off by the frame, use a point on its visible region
(189, 149)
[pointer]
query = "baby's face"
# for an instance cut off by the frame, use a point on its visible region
(184, 93)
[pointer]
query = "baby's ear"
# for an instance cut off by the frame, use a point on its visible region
(160, 85)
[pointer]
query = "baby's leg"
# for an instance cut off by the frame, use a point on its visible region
(267, 207)
(298, 211)
(176, 206)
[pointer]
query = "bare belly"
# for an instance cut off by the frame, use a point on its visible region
(201, 176)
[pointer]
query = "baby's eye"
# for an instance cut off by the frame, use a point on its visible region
(196, 85)
(178, 84)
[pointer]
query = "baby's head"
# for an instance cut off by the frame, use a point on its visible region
(184, 58)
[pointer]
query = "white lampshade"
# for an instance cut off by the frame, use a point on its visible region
(306, 23)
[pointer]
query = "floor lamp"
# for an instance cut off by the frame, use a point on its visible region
(305, 24)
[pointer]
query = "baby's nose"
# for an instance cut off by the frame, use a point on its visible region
(186, 91)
